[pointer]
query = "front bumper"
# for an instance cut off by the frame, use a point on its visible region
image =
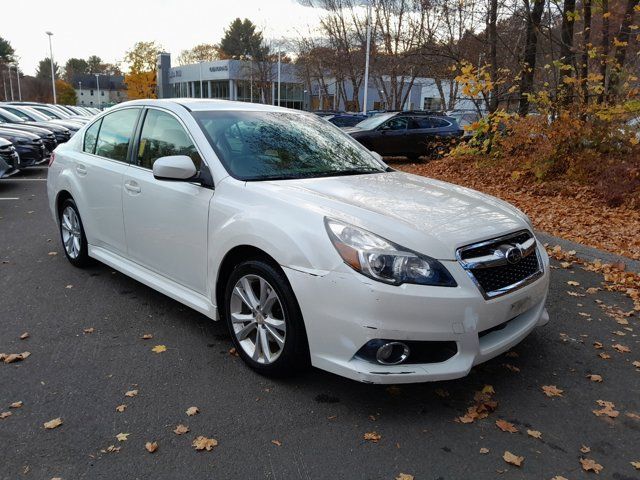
(343, 310)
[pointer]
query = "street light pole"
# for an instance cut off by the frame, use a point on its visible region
(366, 65)
(80, 85)
(18, 76)
(200, 78)
(279, 68)
(53, 76)
(10, 82)
(98, 88)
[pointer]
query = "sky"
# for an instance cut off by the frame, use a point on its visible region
(110, 28)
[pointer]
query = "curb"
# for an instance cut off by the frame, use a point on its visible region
(589, 253)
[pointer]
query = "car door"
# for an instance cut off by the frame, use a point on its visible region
(98, 170)
(166, 222)
(389, 137)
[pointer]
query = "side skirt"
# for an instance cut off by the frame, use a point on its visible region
(160, 283)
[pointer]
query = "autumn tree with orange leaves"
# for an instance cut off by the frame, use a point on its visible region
(141, 78)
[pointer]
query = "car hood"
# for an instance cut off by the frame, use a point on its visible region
(425, 215)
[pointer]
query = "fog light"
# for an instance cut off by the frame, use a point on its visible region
(392, 353)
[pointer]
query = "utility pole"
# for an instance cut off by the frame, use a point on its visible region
(53, 75)
(98, 88)
(80, 84)
(18, 75)
(10, 82)
(366, 65)
(279, 68)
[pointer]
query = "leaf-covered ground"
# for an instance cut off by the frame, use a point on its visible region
(123, 382)
(564, 210)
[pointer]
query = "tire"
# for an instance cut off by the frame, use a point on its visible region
(251, 321)
(72, 236)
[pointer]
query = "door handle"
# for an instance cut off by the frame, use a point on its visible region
(133, 187)
(81, 169)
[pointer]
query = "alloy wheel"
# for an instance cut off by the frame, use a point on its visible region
(71, 232)
(258, 319)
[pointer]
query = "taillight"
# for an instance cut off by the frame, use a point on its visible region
(52, 157)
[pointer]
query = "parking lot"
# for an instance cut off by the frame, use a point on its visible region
(86, 350)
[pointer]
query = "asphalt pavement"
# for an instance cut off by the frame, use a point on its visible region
(86, 351)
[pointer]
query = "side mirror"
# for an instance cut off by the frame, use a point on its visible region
(174, 167)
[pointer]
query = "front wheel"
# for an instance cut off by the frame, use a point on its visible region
(264, 319)
(72, 234)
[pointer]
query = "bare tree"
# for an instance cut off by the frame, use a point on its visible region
(534, 17)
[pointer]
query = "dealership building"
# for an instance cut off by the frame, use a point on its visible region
(257, 82)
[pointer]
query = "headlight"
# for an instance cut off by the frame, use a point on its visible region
(383, 260)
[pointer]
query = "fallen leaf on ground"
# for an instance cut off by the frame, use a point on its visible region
(111, 449)
(608, 409)
(52, 254)
(204, 443)
(534, 433)
(513, 368)
(506, 426)
(24, 336)
(585, 449)
(191, 411)
(621, 348)
(16, 404)
(4, 415)
(597, 345)
(590, 465)
(159, 349)
(552, 391)
(512, 354)
(69, 286)
(604, 356)
(636, 465)
(122, 437)
(559, 477)
(595, 378)
(404, 476)
(15, 357)
(131, 393)
(121, 408)
(233, 352)
(277, 442)
(484, 451)
(636, 364)
(181, 429)
(372, 437)
(56, 422)
(483, 407)
(512, 459)
(89, 330)
(573, 283)
(147, 336)
(151, 446)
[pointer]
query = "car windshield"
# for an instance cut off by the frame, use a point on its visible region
(278, 145)
(375, 121)
(10, 117)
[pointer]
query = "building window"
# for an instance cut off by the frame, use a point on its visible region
(102, 93)
(431, 103)
(220, 89)
(91, 93)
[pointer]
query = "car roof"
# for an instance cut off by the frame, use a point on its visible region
(204, 105)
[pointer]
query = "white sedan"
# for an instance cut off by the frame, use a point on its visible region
(307, 245)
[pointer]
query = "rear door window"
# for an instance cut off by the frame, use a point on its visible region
(116, 133)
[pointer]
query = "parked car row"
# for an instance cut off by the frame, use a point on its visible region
(30, 131)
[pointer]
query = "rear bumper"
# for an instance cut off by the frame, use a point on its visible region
(343, 310)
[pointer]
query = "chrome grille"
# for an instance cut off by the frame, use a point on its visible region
(501, 265)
